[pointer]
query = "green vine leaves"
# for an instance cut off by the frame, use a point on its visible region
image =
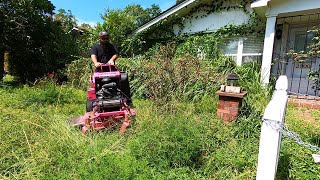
(164, 28)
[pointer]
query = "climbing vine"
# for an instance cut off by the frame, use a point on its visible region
(204, 41)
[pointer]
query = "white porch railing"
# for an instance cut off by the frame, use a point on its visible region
(270, 138)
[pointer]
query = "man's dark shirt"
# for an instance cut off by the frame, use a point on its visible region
(104, 52)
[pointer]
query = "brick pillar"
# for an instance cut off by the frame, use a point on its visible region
(229, 105)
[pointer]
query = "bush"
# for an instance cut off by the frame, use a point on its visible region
(163, 77)
(78, 73)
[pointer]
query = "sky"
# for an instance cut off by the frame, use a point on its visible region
(88, 11)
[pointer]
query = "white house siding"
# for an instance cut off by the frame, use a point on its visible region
(201, 22)
(242, 49)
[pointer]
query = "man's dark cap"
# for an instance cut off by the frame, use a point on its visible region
(103, 33)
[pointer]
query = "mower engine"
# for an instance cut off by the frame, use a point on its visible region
(108, 100)
(109, 97)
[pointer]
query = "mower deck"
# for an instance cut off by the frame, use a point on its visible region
(107, 101)
(99, 121)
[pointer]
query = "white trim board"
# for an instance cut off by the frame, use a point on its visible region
(164, 15)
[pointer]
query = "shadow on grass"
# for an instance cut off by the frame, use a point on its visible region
(283, 166)
(9, 82)
(315, 140)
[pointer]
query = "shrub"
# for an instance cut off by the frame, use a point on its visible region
(78, 73)
(164, 77)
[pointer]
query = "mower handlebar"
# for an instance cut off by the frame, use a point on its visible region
(106, 68)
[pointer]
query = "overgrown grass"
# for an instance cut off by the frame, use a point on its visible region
(176, 134)
(40, 145)
(187, 141)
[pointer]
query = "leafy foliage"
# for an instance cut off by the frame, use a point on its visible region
(179, 1)
(78, 73)
(163, 77)
(37, 43)
(188, 142)
(121, 23)
(66, 18)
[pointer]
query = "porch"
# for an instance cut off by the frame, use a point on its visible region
(293, 34)
(287, 30)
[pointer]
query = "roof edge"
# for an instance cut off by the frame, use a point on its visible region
(260, 7)
(163, 15)
(259, 4)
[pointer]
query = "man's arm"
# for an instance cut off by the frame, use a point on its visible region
(95, 60)
(113, 59)
(115, 55)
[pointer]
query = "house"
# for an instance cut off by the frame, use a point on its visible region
(284, 24)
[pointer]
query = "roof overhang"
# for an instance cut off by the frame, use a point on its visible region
(164, 15)
(260, 7)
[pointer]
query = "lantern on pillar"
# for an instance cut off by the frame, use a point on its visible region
(232, 84)
(232, 80)
(230, 99)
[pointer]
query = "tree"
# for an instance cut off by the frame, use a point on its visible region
(179, 1)
(67, 19)
(121, 23)
(36, 42)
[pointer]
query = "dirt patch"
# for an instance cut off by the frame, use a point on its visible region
(307, 116)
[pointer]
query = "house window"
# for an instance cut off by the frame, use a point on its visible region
(229, 47)
(252, 49)
(243, 49)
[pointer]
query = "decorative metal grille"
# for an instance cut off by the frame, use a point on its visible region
(293, 35)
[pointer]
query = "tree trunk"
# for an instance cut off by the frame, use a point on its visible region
(1, 63)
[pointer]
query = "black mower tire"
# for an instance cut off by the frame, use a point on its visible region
(89, 106)
(125, 87)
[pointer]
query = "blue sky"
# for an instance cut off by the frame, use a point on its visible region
(88, 11)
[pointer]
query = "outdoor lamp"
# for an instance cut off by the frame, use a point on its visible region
(232, 79)
(230, 99)
(279, 32)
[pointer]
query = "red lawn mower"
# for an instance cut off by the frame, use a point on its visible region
(108, 101)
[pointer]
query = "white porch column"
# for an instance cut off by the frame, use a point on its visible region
(268, 49)
(240, 52)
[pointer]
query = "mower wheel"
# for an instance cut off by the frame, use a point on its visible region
(125, 87)
(89, 106)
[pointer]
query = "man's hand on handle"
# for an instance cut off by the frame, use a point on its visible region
(98, 64)
(111, 61)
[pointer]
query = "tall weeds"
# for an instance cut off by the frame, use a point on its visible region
(78, 73)
(163, 77)
(184, 140)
